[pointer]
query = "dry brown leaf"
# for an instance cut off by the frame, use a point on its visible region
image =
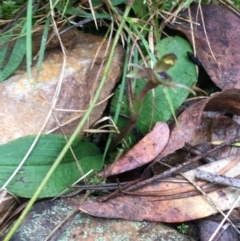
(8, 204)
(170, 200)
(216, 126)
(226, 101)
(222, 28)
(175, 199)
(189, 129)
(142, 153)
(208, 227)
(187, 124)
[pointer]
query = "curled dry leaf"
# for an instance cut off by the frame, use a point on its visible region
(142, 153)
(216, 126)
(183, 132)
(189, 129)
(8, 204)
(172, 199)
(226, 101)
(223, 33)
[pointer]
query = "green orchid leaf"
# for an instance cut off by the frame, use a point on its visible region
(25, 183)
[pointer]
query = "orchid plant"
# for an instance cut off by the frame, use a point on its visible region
(156, 76)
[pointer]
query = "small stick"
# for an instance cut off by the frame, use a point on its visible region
(219, 179)
(80, 188)
(107, 186)
(178, 167)
(140, 182)
(117, 192)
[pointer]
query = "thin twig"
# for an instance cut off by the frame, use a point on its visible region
(219, 179)
(117, 192)
(226, 218)
(210, 201)
(106, 186)
(141, 182)
(15, 19)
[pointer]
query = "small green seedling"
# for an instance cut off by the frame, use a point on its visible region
(183, 228)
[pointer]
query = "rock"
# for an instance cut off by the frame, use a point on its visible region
(26, 104)
(46, 215)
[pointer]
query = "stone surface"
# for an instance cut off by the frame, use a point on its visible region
(46, 215)
(26, 104)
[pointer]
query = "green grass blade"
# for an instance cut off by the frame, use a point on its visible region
(79, 127)
(169, 100)
(121, 93)
(29, 38)
(42, 48)
(145, 44)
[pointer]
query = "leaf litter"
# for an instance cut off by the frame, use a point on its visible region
(203, 125)
(175, 199)
(142, 153)
(169, 200)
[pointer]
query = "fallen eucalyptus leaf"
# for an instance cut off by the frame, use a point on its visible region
(142, 153)
(184, 131)
(171, 199)
(189, 129)
(222, 29)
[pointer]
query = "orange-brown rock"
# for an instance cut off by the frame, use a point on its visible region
(25, 104)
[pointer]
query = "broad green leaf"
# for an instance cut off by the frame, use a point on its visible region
(11, 59)
(25, 183)
(156, 107)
